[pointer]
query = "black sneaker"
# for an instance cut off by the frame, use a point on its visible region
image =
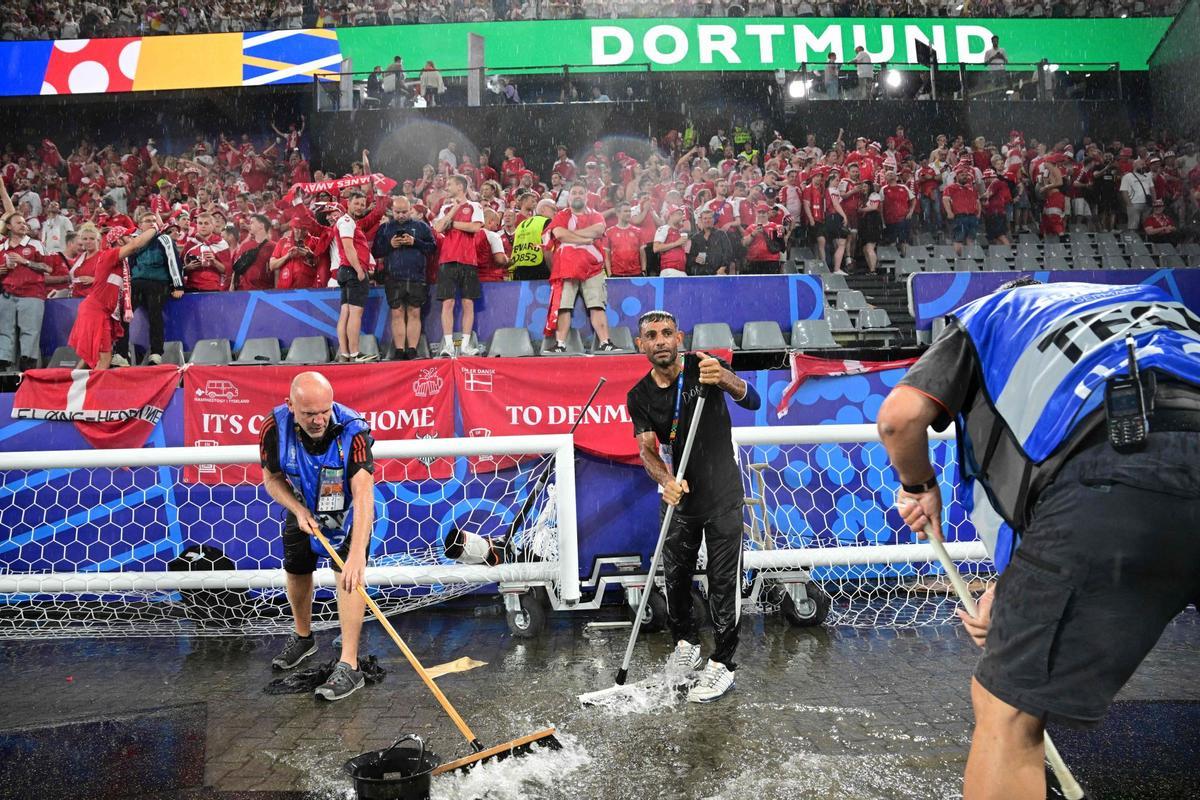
(400, 355)
(608, 347)
(364, 358)
(344, 682)
(28, 363)
(557, 347)
(411, 354)
(296, 650)
(5, 366)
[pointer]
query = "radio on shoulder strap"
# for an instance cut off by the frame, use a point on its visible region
(1128, 406)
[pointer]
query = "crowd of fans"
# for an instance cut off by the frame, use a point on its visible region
(69, 19)
(249, 213)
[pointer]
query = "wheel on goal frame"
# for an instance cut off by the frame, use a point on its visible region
(808, 611)
(528, 620)
(655, 617)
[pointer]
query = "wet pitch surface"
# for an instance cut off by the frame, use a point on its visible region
(840, 713)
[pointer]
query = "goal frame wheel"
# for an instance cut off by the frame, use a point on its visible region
(804, 605)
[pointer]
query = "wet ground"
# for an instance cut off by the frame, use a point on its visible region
(843, 713)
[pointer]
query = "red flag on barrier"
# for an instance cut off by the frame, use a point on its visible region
(405, 400)
(111, 408)
(805, 367)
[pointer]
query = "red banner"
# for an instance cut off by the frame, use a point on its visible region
(805, 367)
(111, 408)
(521, 396)
(383, 185)
(403, 400)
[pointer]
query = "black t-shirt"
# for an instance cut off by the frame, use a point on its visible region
(268, 451)
(713, 476)
(946, 374)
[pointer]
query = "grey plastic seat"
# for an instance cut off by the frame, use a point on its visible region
(621, 337)
(1176, 262)
(839, 320)
(834, 283)
(574, 345)
(787, 267)
(944, 251)
(995, 264)
(875, 322)
(802, 254)
(212, 352)
(510, 343)
(64, 357)
(1085, 262)
(712, 336)
(260, 351)
(1113, 262)
(974, 251)
(173, 353)
(1190, 249)
(763, 335)
(308, 350)
(815, 266)
(1105, 236)
(889, 253)
(967, 265)
(907, 266)
(1164, 249)
(1027, 263)
(1137, 248)
(937, 264)
(1057, 250)
(1083, 251)
(939, 325)
(1142, 261)
(812, 334)
(919, 251)
(1028, 238)
(1110, 249)
(851, 300)
(1000, 251)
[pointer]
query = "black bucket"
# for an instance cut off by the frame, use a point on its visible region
(401, 772)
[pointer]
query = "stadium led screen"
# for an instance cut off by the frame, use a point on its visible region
(86, 66)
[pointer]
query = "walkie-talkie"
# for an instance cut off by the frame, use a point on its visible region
(1126, 407)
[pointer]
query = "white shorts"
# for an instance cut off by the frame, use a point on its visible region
(672, 273)
(1080, 207)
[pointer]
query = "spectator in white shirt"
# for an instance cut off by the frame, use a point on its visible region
(866, 73)
(55, 229)
(1137, 190)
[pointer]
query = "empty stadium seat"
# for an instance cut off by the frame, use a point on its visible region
(712, 336)
(211, 352)
(815, 266)
(876, 322)
(967, 265)
(937, 264)
(1136, 248)
(1029, 238)
(1113, 262)
(260, 351)
(996, 264)
(888, 253)
(763, 335)
(308, 350)
(1085, 262)
(974, 251)
(834, 283)
(1083, 251)
(1001, 251)
(907, 266)
(1057, 250)
(802, 254)
(64, 357)
(918, 251)
(839, 320)
(1164, 249)
(812, 334)
(1142, 261)
(510, 343)
(1175, 262)
(1025, 263)
(620, 336)
(172, 354)
(851, 300)
(1055, 262)
(945, 251)
(574, 345)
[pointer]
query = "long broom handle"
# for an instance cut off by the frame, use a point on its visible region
(451, 712)
(623, 672)
(1071, 788)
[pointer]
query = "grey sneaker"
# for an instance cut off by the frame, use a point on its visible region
(344, 682)
(296, 650)
(447, 351)
(364, 358)
(469, 350)
(683, 662)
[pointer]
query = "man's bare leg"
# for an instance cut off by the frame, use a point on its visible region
(1007, 760)
(300, 598)
(351, 607)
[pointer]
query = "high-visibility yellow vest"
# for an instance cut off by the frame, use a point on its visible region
(527, 243)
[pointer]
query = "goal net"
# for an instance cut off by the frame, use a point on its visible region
(133, 543)
(821, 499)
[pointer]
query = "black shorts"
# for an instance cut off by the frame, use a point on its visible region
(354, 291)
(541, 272)
(835, 227)
(405, 294)
(761, 268)
(298, 555)
(995, 226)
(455, 279)
(1110, 557)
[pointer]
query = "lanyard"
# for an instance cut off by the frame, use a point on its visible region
(678, 406)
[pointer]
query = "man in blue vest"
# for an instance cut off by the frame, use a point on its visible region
(1094, 463)
(317, 464)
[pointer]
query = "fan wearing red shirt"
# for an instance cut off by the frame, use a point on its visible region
(293, 258)
(670, 242)
(355, 264)
(899, 204)
(484, 172)
(760, 258)
(256, 250)
(512, 167)
(97, 324)
(996, 199)
(961, 202)
(564, 166)
(579, 266)
(624, 254)
(458, 275)
(1158, 227)
(22, 292)
(207, 263)
(1054, 202)
(490, 258)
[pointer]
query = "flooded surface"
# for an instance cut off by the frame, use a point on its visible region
(844, 713)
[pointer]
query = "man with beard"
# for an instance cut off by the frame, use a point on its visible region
(708, 499)
(579, 264)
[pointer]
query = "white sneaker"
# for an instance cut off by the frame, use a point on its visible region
(469, 350)
(154, 358)
(447, 351)
(714, 682)
(119, 360)
(683, 662)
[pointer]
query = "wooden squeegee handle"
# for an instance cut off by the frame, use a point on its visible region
(451, 712)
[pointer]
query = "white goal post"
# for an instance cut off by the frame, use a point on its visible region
(54, 495)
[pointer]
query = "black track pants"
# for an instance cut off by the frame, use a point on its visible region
(723, 533)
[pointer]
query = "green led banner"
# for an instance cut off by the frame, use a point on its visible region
(754, 43)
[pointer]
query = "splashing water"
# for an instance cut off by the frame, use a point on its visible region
(874, 776)
(653, 694)
(542, 772)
